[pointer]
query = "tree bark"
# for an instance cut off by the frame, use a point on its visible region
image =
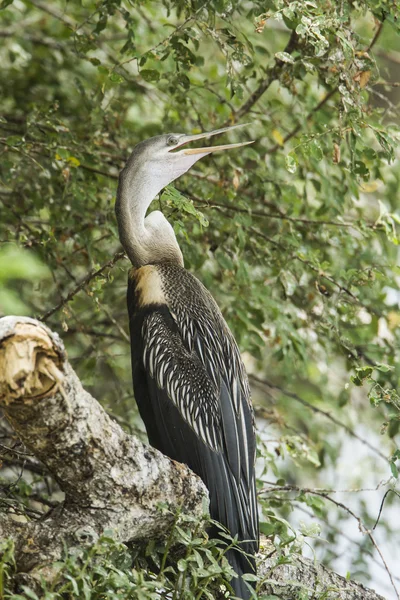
(111, 480)
(285, 581)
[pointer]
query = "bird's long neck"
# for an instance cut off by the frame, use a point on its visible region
(146, 240)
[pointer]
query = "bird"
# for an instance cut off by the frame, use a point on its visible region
(189, 381)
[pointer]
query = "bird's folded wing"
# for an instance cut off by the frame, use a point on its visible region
(195, 369)
(184, 379)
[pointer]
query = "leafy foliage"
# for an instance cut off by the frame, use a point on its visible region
(296, 235)
(109, 569)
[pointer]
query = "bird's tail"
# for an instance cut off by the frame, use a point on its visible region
(241, 564)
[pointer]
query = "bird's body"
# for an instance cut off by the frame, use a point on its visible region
(189, 381)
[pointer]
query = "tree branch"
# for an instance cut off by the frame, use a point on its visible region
(111, 480)
(300, 126)
(269, 384)
(91, 275)
(324, 100)
(301, 574)
(272, 74)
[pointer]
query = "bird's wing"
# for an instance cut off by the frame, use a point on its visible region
(180, 374)
(198, 367)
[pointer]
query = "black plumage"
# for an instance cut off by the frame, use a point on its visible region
(193, 395)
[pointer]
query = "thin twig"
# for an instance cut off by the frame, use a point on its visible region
(115, 322)
(382, 503)
(339, 532)
(301, 125)
(376, 36)
(54, 12)
(326, 414)
(290, 487)
(272, 74)
(91, 275)
(25, 464)
(99, 171)
(321, 274)
(258, 213)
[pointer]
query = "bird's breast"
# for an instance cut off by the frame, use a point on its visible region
(148, 286)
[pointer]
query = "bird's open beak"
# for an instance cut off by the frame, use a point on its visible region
(209, 149)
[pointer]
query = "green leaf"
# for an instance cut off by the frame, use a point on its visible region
(316, 150)
(291, 162)
(383, 368)
(14, 140)
(115, 77)
(394, 469)
(267, 528)
(285, 57)
(29, 593)
(150, 75)
(387, 144)
(289, 282)
(182, 565)
(250, 577)
(182, 203)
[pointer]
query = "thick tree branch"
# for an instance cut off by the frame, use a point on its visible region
(301, 574)
(111, 480)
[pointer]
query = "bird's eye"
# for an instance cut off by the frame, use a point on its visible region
(172, 141)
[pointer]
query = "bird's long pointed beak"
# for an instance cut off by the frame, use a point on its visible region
(209, 149)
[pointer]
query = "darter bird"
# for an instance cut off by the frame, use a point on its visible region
(189, 380)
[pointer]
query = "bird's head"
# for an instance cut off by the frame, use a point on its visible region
(153, 164)
(166, 157)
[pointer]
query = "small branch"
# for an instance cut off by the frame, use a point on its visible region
(99, 171)
(25, 465)
(382, 504)
(376, 36)
(92, 275)
(258, 213)
(272, 74)
(301, 125)
(327, 415)
(34, 39)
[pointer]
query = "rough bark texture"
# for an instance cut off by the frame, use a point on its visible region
(286, 581)
(110, 479)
